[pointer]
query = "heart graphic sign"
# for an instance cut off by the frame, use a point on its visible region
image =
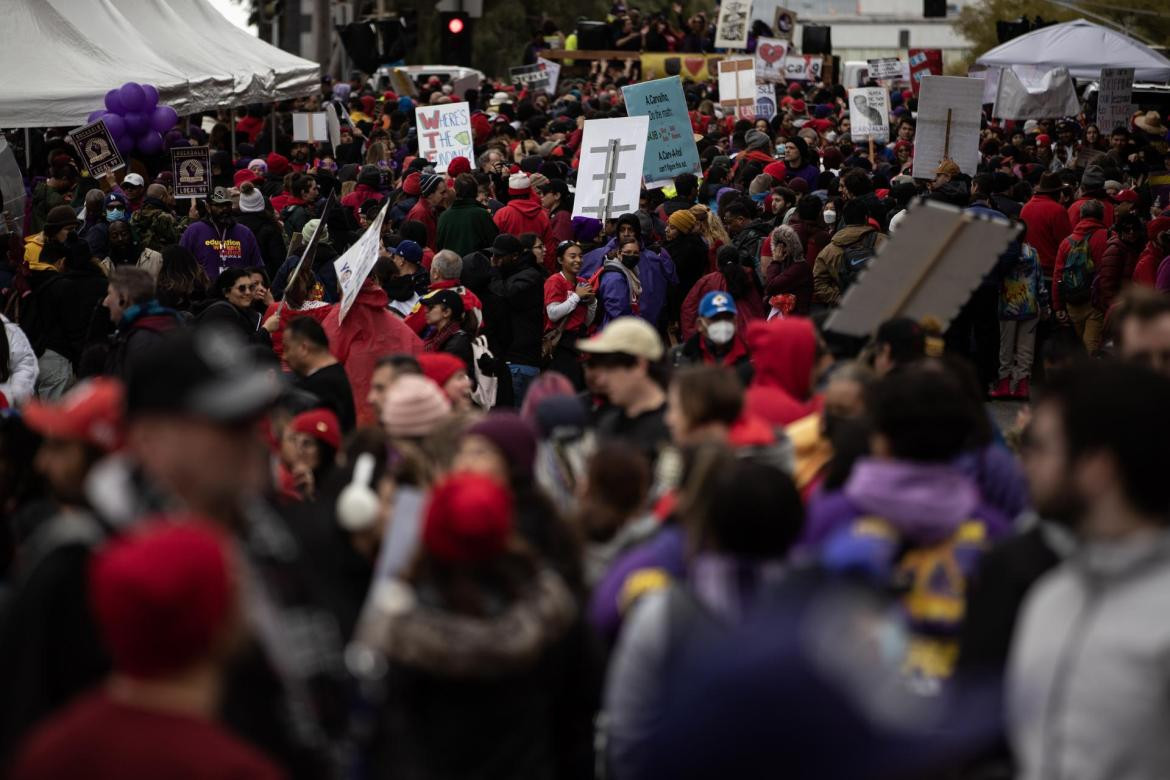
(770, 55)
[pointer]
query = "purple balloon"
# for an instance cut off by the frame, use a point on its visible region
(133, 98)
(115, 124)
(151, 97)
(136, 124)
(150, 143)
(124, 143)
(164, 118)
(95, 116)
(114, 102)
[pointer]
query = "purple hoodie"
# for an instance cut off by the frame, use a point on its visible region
(218, 249)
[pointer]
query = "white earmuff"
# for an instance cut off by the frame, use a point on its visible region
(357, 506)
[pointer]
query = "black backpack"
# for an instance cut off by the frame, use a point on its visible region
(855, 258)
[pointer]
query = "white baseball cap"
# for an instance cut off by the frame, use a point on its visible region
(134, 180)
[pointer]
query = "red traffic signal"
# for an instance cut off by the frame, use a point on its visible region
(455, 26)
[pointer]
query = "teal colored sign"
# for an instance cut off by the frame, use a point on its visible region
(670, 143)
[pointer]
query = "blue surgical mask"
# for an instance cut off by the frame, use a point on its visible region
(115, 215)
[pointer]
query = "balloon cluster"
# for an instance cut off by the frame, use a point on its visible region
(135, 119)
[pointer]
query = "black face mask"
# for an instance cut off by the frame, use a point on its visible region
(629, 261)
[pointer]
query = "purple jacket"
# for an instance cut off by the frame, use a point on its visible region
(640, 569)
(656, 272)
(218, 249)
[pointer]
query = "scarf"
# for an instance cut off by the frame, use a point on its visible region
(631, 278)
(435, 342)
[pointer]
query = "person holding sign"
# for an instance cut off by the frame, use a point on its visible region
(218, 241)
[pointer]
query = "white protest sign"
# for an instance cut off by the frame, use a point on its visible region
(355, 265)
(869, 114)
(11, 184)
(771, 54)
(610, 177)
(765, 101)
(929, 267)
(1032, 95)
(731, 31)
(803, 68)
(737, 87)
(459, 87)
(444, 133)
(310, 128)
(333, 124)
(949, 112)
(888, 68)
(554, 74)
(1114, 99)
(309, 250)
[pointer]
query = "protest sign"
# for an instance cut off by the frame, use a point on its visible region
(770, 56)
(459, 87)
(355, 265)
(924, 62)
(803, 67)
(310, 128)
(737, 87)
(1114, 99)
(444, 133)
(11, 184)
(333, 125)
(929, 268)
(309, 251)
(402, 82)
(98, 149)
(533, 77)
(688, 67)
(765, 101)
(553, 69)
(888, 68)
(949, 112)
(670, 142)
(1035, 93)
(784, 24)
(869, 114)
(610, 177)
(731, 31)
(191, 170)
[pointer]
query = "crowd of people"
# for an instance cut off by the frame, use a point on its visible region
(568, 497)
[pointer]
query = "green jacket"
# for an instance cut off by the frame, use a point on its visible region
(466, 227)
(156, 228)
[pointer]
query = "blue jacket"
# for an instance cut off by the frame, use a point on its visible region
(655, 270)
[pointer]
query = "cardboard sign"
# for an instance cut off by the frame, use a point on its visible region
(98, 149)
(930, 267)
(737, 87)
(771, 54)
(553, 69)
(444, 133)
(765, 101)
(309, 251)
(924, 62)
(459, 87)
(688, 67)
(784, 24)
(888, 68)
(1114, 99)
(612, 157)
(670, 142)
(355, 265)
(869, 114)
(191, 169)
(807, 67)
(731, 31)
(310, 128)
(949, 112)
(333, 125)
(1035, 95)
(533, 77)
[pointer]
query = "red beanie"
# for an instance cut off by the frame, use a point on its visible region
(412, 184)
(162, 596)
(368, 104)
(440, 366)
(468, 519)
(243, 175)
(777, 170)
(277, 164)
(481, 127)
(457, 166)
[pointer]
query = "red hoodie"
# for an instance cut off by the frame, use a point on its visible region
(524, 215)
(361, 193)
(1097, 242)
(1048, 225)
(783, 352)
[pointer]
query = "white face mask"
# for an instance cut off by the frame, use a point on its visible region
(721, 332)
(830, 217)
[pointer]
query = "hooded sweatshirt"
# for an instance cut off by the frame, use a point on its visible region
(217, 248)
(783, 352)
(522, 215)
(1098, 237)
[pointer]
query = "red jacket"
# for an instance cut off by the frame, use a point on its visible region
(1074, 211)
(783, 352)
(1116, 268)
(422, 212)
(1146, 271)
(368, 333)
(1048, 225)
(361, 193)
(748, 308)
(526, 216)
(1100, 237)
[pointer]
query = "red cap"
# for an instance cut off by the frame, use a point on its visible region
(1043, 140)
(798, 106)
(321, 424)
(468, 519)
(412, 184)
(91, 412)
(1157, 225)
(243, 175)
(277, 164)
(162, 595)
(1126, 196)
(457, 166)
(391, 96)
(368, 103)
(440, 366)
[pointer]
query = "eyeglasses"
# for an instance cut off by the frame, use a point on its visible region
(243, 288)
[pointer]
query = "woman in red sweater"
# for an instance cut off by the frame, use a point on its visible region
(570, 306)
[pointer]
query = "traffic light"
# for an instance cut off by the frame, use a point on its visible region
(455, 37)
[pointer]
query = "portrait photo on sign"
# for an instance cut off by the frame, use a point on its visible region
(869, 114)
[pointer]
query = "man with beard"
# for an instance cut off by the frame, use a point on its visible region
(124, 250)
(1087, 669)
(218, 241)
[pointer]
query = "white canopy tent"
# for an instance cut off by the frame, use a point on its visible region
(1082, 47)
(58, 68)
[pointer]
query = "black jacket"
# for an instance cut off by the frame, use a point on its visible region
(246, 323)
(269, 237)
(691, 258)
(64, 311)
(521, 287)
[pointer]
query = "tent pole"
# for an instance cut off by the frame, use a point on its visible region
(27, 155)
(232, 130)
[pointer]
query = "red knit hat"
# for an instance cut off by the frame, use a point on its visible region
(321, 424)
(468, 519)
(277, 164)
(369, 103)
(412, 184)
(440, 366)
(162, 595)
(243, 175)
(798, 106)
(457, 166)
(777, 170)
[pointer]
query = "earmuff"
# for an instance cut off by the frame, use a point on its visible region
(357, 505)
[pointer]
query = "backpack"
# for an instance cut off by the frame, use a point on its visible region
(855, 259)
(1076, 285)
(486, 381)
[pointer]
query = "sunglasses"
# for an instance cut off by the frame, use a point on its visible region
(243, 288)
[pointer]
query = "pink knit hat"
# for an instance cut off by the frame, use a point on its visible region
(414, 406)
